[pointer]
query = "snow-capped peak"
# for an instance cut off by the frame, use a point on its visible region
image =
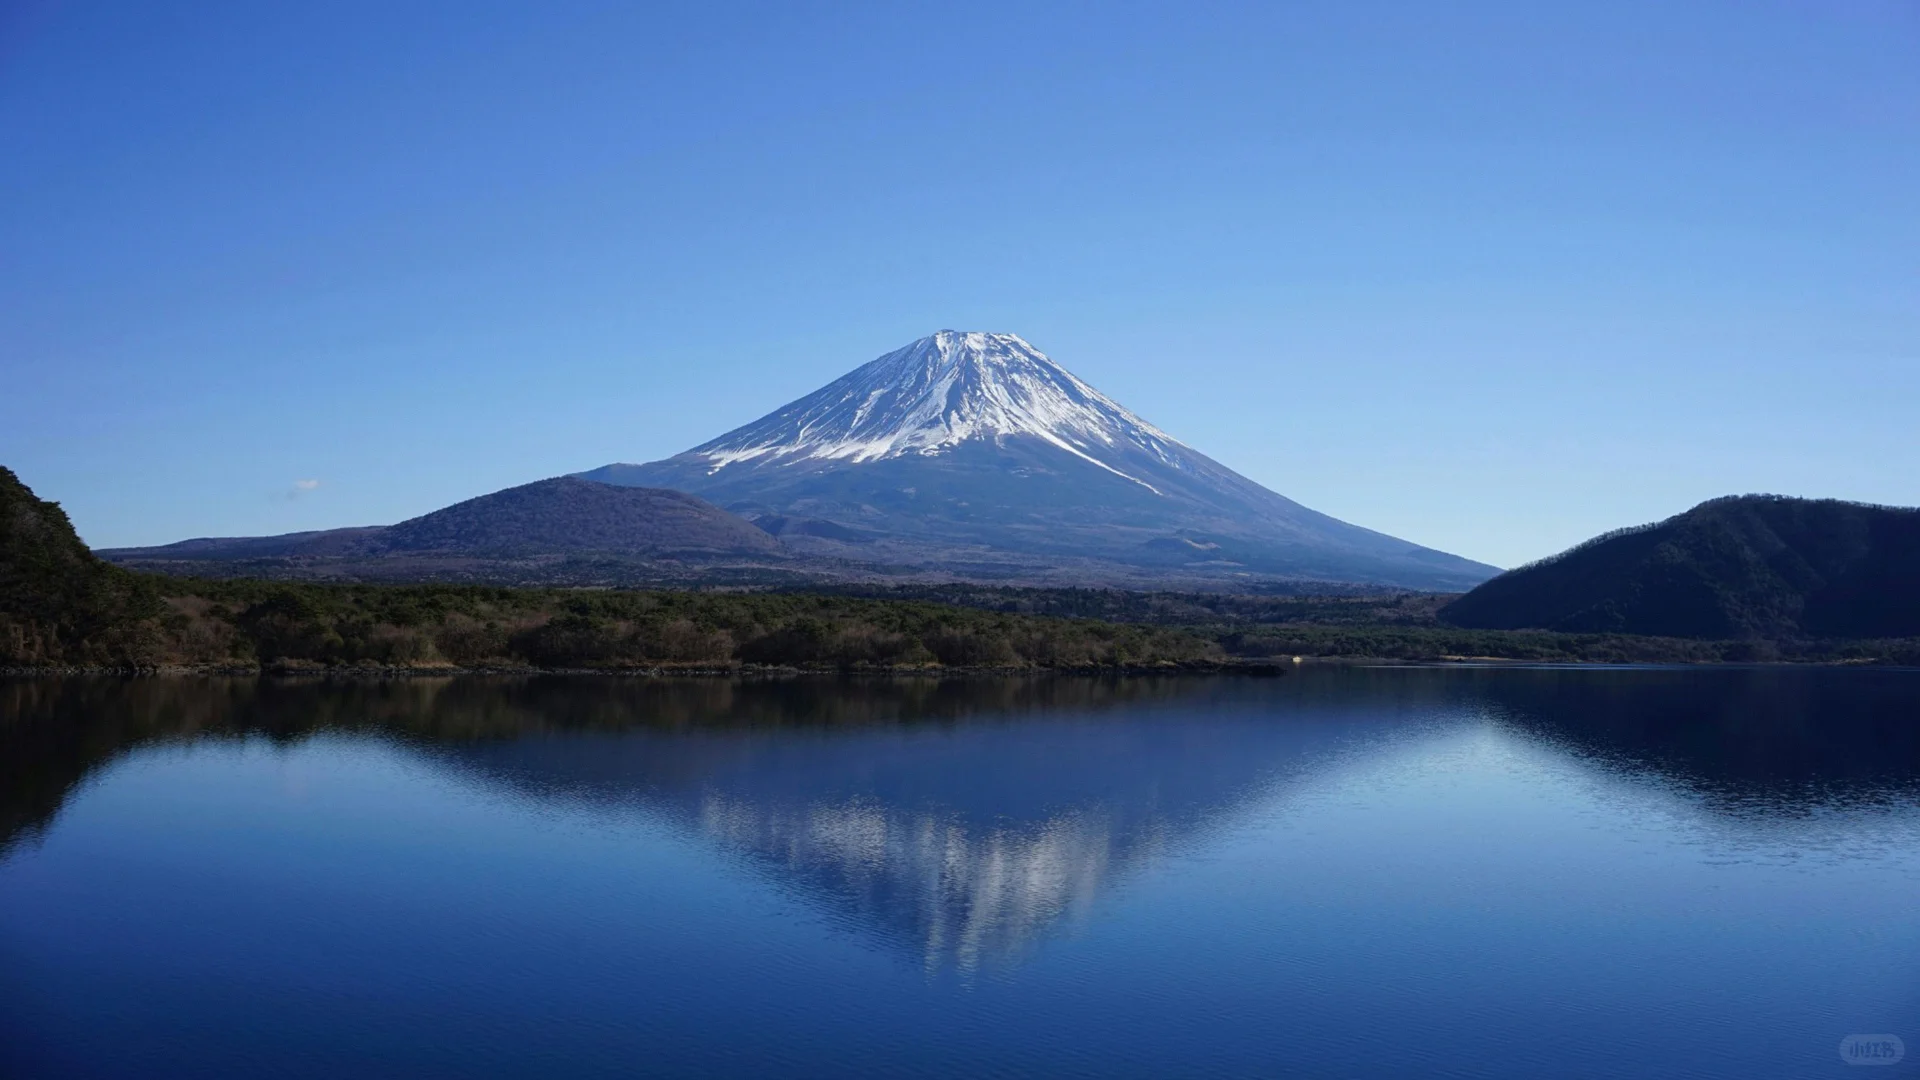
(937, 393)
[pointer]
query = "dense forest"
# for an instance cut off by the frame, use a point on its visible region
(1749, 567)
(291, 626)
(1399, 626)
(61, 607)
(59, 604)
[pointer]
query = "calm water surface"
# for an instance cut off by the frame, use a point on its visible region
(1358, 873)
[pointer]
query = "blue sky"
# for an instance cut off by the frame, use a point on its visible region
(1490, 277)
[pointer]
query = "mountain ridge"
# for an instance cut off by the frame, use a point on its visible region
(557, 517)
(969, 445)
(1747, 566)
(961, 456)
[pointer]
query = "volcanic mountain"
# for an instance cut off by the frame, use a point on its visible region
(977, 454)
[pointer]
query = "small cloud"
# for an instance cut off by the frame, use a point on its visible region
(301, 487)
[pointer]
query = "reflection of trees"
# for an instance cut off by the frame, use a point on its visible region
(1784, 739)
(55, 731)
(959, 830)
(961, 819)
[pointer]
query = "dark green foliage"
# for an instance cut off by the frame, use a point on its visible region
(469, 641)
(302, 626)
(576, 641)
(1431, 643)
(1352, 606)
(969, 648)
(59, 605)
(1748, 567)
(1399, 626)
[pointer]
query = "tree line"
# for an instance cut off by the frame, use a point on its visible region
(304, 626)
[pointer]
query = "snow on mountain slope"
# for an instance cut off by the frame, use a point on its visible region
(937, 393)
(966, 448)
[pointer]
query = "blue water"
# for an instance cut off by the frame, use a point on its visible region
(1341, 872)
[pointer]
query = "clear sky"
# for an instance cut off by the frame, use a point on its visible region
(1490, 277)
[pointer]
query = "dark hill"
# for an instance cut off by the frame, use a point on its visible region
(569, 514)
(58, 603)
(565, 515)
(353, 541)
(1753, 566)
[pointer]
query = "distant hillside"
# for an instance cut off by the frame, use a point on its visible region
(570, 514)
(1754, 566)
(549, 517)
(58, 603)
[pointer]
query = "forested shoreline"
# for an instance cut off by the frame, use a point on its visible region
(135, 622)
(1402, 627)
(278, 626)
(64, 609)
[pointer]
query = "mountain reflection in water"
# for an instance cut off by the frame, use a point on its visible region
(959, 821)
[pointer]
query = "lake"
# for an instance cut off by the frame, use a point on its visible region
(1353, 872)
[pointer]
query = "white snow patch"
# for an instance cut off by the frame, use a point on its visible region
(938, 393)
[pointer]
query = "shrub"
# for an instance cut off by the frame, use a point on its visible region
(573, 641)
(804, 641)
(965, 648)
(468, 641)
(681, 641)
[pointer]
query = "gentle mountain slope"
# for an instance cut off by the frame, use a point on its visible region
(561, 516)
(570, 514)
(970, 450)
(1750, 566)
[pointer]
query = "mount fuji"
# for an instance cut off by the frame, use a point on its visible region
(977, 454)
